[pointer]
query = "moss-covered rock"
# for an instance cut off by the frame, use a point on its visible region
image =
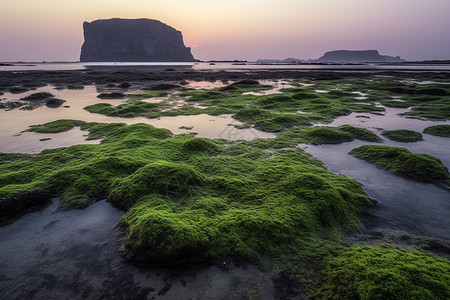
(421, 167)
(439, 130)
(191, 198)
(403, 135)
(384, 272)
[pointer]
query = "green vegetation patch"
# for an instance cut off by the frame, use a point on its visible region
(403, 135)
(384, 272)
(192, 198)
(148, 94)
(128, 110)
(272, 113)
(420, 167)
(56, 126)
(316, 136)
(439, 130)
(395, 104)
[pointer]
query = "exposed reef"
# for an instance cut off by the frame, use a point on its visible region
(138, 40)
(439, 130)
(420, 167)
(403, 135)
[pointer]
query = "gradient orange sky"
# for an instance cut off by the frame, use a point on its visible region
(37, 30)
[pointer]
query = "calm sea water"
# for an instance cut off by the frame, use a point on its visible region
(59, 66)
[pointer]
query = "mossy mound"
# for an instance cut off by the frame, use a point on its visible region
(395, 104)
(56, 126)
(384, 272)
(112, 95)
(403, 135)
(420, 167)
(272, 113)
(344, 133)
(439, 130)
(129, 110)
(316, 136)
(161, 177)
(191, 198)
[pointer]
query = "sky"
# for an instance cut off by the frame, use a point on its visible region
(51, 30)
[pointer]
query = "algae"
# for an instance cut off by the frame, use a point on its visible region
(403, 135)
(204, 199)
(383, 272)
(400, 161)
(439, 130)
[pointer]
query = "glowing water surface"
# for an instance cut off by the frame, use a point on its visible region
(13, 139)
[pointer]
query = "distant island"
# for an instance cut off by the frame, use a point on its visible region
(340, 56)
(356, 56)
(133, 40)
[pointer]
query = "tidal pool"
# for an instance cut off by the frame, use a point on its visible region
(403, 205)
(16, 121)
(57, 254)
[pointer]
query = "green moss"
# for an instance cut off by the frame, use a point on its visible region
(403, 135)
(395, 104)
(439, 130)
(132, 109)
(148, 94)
(56, 126)
(384, 272)
(316, 136)
(271, 113)
(421, 167)
(193, 198)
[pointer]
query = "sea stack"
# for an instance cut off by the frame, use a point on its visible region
(133, 40)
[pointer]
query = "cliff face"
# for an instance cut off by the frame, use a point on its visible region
(359, 56)
(139, 40)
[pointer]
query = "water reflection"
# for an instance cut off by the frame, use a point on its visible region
(15, 121)
(54, 254)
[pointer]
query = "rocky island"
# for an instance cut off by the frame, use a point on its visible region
(356, 56)
(132, 40)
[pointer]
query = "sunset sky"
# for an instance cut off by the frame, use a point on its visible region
(36, 30)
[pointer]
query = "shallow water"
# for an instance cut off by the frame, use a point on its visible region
(405, 205)
(54, 254)
(15, 121)
(217, 66)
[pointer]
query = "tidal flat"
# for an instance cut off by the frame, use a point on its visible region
(225, 185)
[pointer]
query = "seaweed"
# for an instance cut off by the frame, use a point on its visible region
(403, 135)
(420, 167)
(439, 130)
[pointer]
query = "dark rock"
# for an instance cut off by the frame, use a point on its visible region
(165, 289)
(138, 40)
(54, 102)
(11, 104)
(23, 200)
(34, 85)
(356, 56)
(124, 85)
(161, 87)
(113, 95)
(38, 96)
(18, 90)
(240, 82)
(74, 87)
